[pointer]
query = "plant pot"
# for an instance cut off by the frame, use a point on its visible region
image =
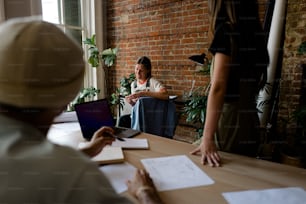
(291, 155)
(291, 160)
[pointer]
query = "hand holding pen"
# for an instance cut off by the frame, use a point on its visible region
(101, 138)
(109, 134)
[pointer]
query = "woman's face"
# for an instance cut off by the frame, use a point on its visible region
(140, 72)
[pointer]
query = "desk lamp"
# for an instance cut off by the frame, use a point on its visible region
(200, 59)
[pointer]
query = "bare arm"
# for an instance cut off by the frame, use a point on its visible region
(215, 102)
(161, 94)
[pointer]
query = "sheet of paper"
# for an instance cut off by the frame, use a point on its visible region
(175, 172)
(132, 143)
(291, 195)
(66, 127)
(68, 134)
(117, 174)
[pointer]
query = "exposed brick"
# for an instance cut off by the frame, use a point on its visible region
(292, 74)
(169, 31)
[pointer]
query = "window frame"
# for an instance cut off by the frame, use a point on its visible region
(89, 21)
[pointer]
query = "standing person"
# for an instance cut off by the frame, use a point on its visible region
(41, 71)
(145, 84)
(240, 60)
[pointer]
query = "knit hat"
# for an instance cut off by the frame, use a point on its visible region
(40, 66)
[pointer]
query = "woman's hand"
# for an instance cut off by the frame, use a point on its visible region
(142, 188)
(132, 98)
(209, 153)
(99, 140)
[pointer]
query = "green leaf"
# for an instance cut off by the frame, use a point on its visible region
(302, 48)
(115, 50)
(93, 39)
(93, 61)
(108, 51)
(90, 41)
(195, 109)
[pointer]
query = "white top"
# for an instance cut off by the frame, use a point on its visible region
(155, 86)
(34, 170)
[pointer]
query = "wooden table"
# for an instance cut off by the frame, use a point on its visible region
(237, 173)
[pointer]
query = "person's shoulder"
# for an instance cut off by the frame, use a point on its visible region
(156, 83)
(225, 28)
(153, 79)
(134, 84)
(222, 39)
(76, 158)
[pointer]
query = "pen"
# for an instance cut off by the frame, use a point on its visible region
(114, 136)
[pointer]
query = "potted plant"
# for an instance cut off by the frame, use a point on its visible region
(300, 117)
(108, 56)
(293, 151)
(293, 133)
(195, 110)
(86, 94)
(196, 102)
(117, 98)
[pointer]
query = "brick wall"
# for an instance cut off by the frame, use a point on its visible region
(167, 31)
(291, 77)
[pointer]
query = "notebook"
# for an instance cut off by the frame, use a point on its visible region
(109, 155)
(93, 115)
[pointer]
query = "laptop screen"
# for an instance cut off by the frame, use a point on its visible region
(93, 115)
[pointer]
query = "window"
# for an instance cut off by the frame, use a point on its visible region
(77, 18)
(66, 14)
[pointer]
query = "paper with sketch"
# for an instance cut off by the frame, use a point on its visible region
(117, 174)
(175, 172)
(291, 195)
(132, 143)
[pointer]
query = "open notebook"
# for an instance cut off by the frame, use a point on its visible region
(95, 114)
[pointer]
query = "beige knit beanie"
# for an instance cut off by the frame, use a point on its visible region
(40, 66)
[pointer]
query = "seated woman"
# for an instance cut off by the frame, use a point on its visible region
(145, 84)
(160, 120)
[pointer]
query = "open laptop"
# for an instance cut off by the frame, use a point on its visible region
(95, 114)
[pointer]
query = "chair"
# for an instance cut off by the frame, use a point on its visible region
(154, 116)
(125, 121)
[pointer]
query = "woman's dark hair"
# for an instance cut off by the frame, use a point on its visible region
(146, 62)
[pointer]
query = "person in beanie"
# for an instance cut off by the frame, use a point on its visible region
(41, 71)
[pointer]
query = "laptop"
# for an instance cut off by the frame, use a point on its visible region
(93, 115)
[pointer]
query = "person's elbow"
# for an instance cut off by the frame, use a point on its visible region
(218, 89)
(164, 94)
